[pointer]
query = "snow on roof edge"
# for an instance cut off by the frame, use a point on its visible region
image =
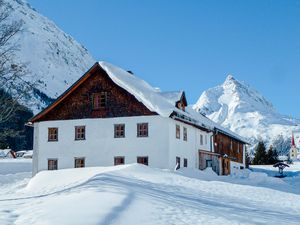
(155, 102)
(143, 91)
(172, 96)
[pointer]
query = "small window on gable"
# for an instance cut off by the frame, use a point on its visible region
(119, 130)
(185, 134)
(80, 133)
(142, 129)
(52, 164)
(79, 162)
(100, 100)
(53, 134)
(177, 131)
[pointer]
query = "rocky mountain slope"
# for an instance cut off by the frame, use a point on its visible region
(242, 109)
(53, 57)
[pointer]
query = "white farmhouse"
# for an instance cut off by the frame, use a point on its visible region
(111, 117)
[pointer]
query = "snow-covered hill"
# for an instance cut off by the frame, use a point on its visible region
(242, 109)
(53, 56)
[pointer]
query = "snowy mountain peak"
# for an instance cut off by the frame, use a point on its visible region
(233, 85)
(229, 79)
(244, 110)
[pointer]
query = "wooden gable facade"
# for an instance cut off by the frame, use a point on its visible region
(78, 102)
(228, 146)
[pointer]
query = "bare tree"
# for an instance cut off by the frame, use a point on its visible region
(13, 84)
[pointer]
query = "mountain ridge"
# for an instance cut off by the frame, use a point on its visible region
(241, 108)
(54, 59)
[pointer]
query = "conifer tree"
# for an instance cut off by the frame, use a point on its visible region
(271, 156)
(260, 156)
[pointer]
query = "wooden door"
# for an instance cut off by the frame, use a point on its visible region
(226, 166)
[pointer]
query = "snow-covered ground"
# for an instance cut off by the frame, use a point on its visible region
(136, 194)
(13, 166)
(292, 173)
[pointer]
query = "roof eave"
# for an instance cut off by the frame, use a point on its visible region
(232, 136)
(63, 95)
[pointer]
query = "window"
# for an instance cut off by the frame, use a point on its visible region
(142, 129)
(119, 130)
(201, 139)
(79, 162)
(52, 164)
(80, 133)
(205, 138)
(177, 163)
(231, 145)
(119, 160)
(53, 134)
(185, 162)
(181, 106)
(99, 100)
(185, 134)
(177, 131)
(142, 160)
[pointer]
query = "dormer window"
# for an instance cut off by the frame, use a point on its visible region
(180, 105)
(100, 100)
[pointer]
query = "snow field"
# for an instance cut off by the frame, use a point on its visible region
(136, 194)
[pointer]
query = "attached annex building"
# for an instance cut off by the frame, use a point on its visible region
(111, 117)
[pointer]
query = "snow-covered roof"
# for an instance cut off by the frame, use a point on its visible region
(143, 92)
(29, 152)
(172, 96)
(4, 152)
(156, 101)
(160, 102)
(213, 125)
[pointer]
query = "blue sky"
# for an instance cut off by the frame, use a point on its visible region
(192, 45)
